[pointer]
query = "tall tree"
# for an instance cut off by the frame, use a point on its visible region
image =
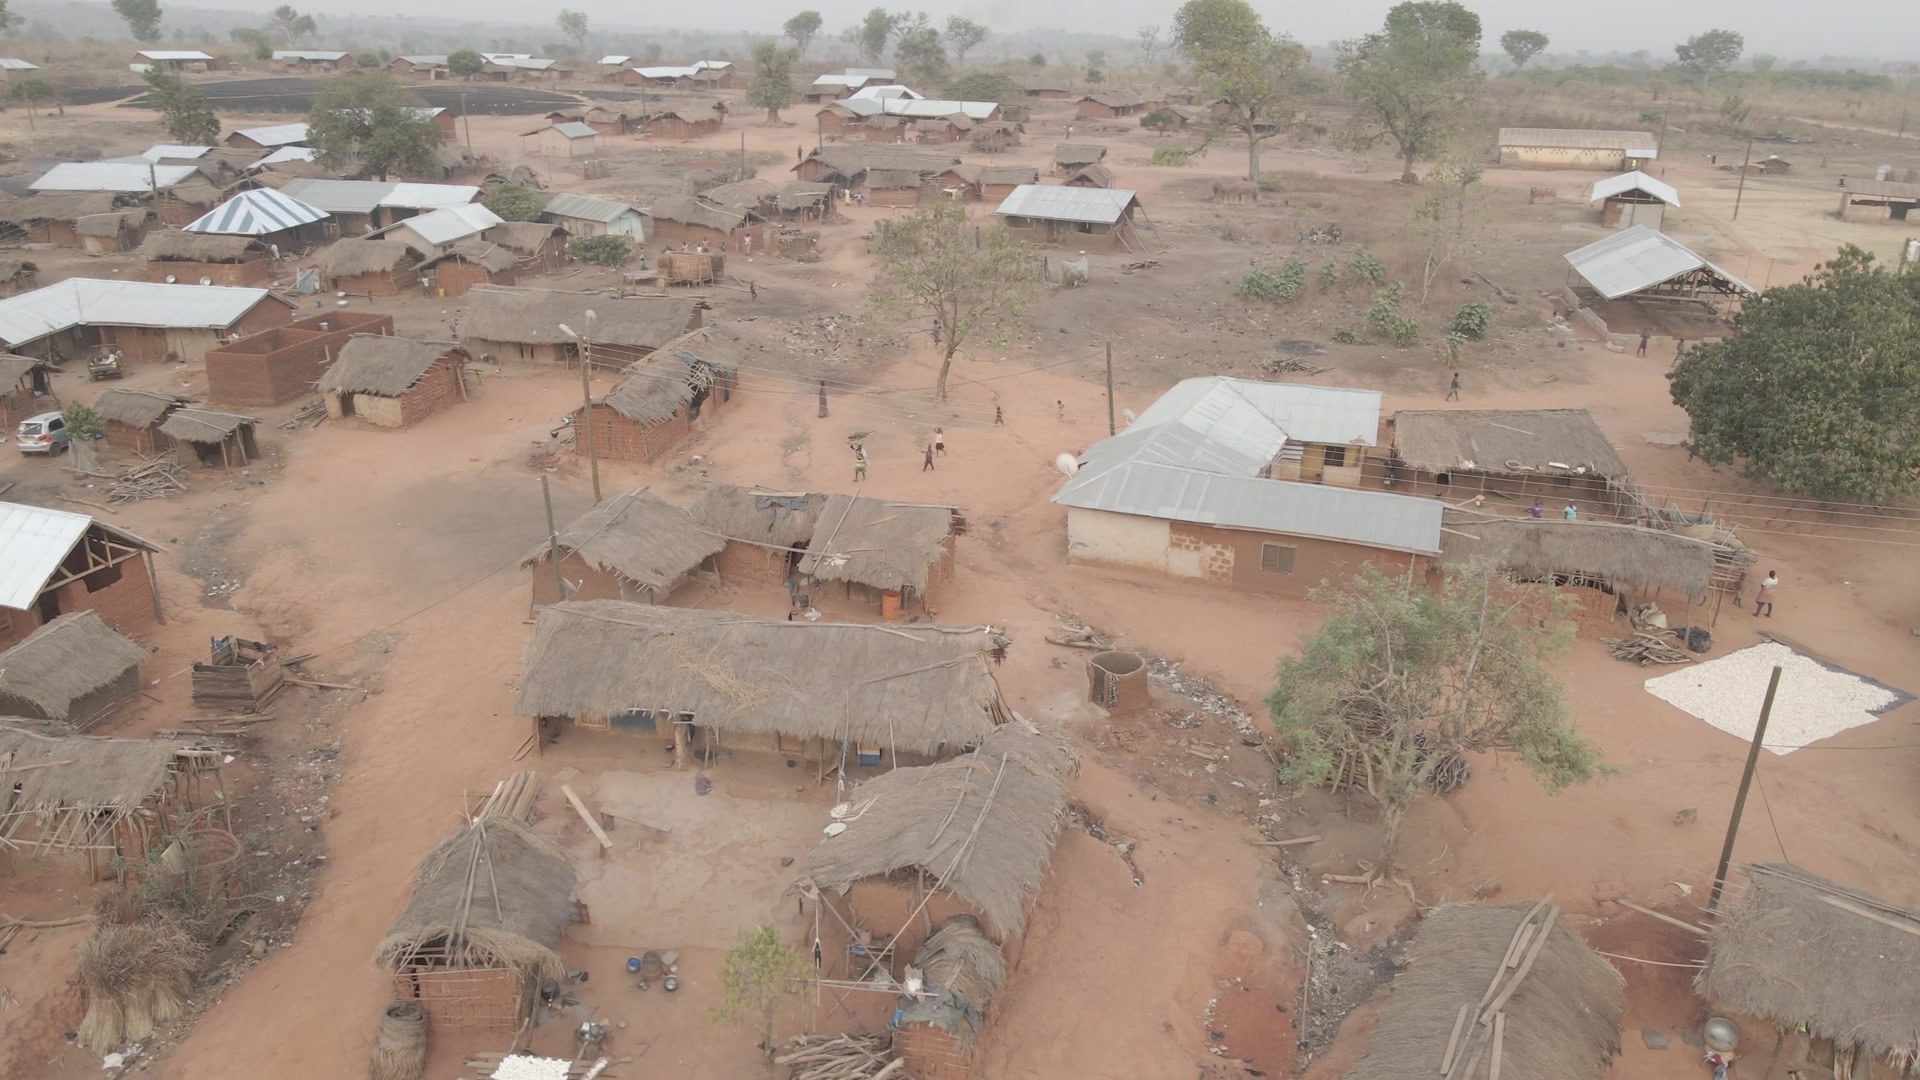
(142, 18)
(936, 264)
(465, 63)
(872, 34)
(1706, 55)
(1254, 74)
(755, 977)
(986, 86)
(1818, 389)
(290, 24)
(574, 25)
(918, 50)
(1149, 44)
(1415, 79)
(8, 19)
(802, 28)
(183, 110)
(1402, 679)
(368, 117)
(772, 85)
(964, 35)
(1523, 45)
(31, 93)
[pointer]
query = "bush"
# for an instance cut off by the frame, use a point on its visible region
(82, 421)
(601, 250)
(1274, 286)
(368, 60)
(1366, 267)
(1384, 319)
(1269, 183)
(1345, 335)
(1329, 274)
(1176, 156)
(1159, 120)
(514, 202)
(1472, 320)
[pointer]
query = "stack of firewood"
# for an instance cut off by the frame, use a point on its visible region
(839, 1057)
(152, 478)
(1645, 648)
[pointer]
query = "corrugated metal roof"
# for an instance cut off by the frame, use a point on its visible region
(873, 73)
(276, 134)
(1303, 413)
(528, 62)
(339, 196)
(889, 92)
(429, 196)
(444, 226)
(94, 302)
(110, 176)
(1632, 143)
(14, 63)
(574, 129)
(426, 59)
(506, 56)
(33, 542)
(1879, 188)
(665, 72)
(840, 80)
(1055, 202)
(173, 54)
(308, 54)
(256, 213)
(615, 61)
(165, 151)
(712, 65)
(1634, 181)
(586, 207)
(286, 153)
(1639, 258)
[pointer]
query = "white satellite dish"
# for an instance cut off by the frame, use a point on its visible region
(836, 828)
(170, 279)
(206, 281)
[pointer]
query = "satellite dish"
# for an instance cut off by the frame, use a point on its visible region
(170, 279)
(206, 281)
(836, 828)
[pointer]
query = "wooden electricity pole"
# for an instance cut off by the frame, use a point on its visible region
(586, 405)
(553, 545)
(1740, 797)
(1742, 190)
(1112, 426)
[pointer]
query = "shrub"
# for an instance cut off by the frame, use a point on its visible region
(601, 250)
(1472, 320)
(1329, 274)
(1159, 120)
(1274, 286)
(82, 421)
(514, 202)
(1366, 267)
(1176, 156)
(1384, 318)
(1269, 183)
(1345, 335)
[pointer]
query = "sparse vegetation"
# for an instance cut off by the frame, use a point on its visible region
(32, 93)
(369, 118)
(1254, 74)
(1174, 156)
(142, 18)
(1365, 266)
(1709, 54)
(183, 111)
(465, 63)
(1160, 120)
(1329, 275)
(1345, 335)
(938, 266)
(82, 421)
(1416, 80)
(514, 202)
(1384, 319)
(1472, 321)
(1270, 184)
(1274, 286)
(756, 976)
(964, 35)
(1522, 46)
(608, 250)
(801, 29)
(772, 85)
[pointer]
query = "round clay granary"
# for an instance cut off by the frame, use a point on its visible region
(1117, 681)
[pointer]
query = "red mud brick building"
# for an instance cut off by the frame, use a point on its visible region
(393, 382)
(285, 362)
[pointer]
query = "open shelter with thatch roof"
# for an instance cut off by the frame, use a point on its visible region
(938, 1027)
(1559, 456)
(1797, 949)
(826, 691)
(524, 324)
(61, 792)
(215, 438)
(23, 380)
(1554, 1013)
(666, 396)
(895, 551)
(765, 532)
(482, 930)
(133, 417)
(392, 382)
(968, 836)
(202, 259)
(73, 670)
(634, 546)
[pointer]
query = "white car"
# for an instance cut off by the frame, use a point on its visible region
(43, 434)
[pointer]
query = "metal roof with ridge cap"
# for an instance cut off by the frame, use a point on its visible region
(1056, 202)
(1639, 258)
(34, 541)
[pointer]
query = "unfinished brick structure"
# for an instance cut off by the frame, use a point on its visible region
(285, 362)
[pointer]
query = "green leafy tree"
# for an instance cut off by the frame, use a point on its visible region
(1037, 60)
(514, 202)
(1253, 73)
(32, 93)
(1818, 388)
(756, 976)
(872, 33)
(611, 249)
(465, 63)
(1447, 218)
(255, 39)
(964, 35)
(142, 18)
(82, 421)
(183, 110)
(1416, 80)
(368, 117)
(1523, 45)
(574, 25)
(802, 28)
(937, 264)
(1160, 120)
(1706, 55)
(986, 86)
(1402, 679)
(918, 50)
(772, 85)
(290, 24)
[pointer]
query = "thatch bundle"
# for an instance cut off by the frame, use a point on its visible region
(136, 976)
(761, 517)
(1624, 555)
(400, 1044)
(1799, 949)
(637, 535)
(15, 368)
(353, 257)
(982, 824)
(960, 958)
(880, 544)
(492, 895)
(136, 408)
(1550, 442)
(384, 364)
(922, 689)
(64, 662)
(533, 317)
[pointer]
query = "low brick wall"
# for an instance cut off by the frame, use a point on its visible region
(283, 363)
(251, 274)
(456, 276)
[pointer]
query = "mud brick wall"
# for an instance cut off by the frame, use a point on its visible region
(457, 276)
(251, 274)
(931, 1054)
(437, 389)
(282, 364)
(619, 439)
(748, 564)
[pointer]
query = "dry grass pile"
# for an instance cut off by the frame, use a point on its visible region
(400, 1045)
(136, 976)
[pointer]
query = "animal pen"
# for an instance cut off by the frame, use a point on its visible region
(239, 676)
(481, 933)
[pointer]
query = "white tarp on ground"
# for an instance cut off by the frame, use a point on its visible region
(1815, 701)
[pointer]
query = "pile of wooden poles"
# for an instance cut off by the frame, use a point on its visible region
(511, 798)
(1647, 648)
(153, 478)
(1482, 1029)
(839, 1057)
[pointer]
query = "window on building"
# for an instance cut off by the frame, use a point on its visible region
(1276, 559)
(1335, 457)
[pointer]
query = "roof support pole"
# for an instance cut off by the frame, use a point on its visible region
(1740, 797)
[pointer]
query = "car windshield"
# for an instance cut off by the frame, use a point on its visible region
(30, 428)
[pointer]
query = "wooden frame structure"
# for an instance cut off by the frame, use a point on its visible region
(241, 675)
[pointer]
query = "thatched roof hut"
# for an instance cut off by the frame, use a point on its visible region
(31, 209)
(654, 391)
(1011, 795)
(1078, 155)
(1549, 442)
(774, 518)
(175, 246)
(747, 195)
(1562, 1022)
(384, 365)
(884, 545)
(492, 257)
(638, 536)
(689, 210)
(136, 408)
(70, 670)
(353, 257)
(964, 970)
(527, 237)
(65, 792)
(494, 895)
(533, 317)
(1628, 556)
(1799, 949)
(919, 688)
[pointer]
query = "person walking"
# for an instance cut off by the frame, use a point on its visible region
(999, 418)
(1536, 510)
(927, 464)
(939, 442)
(1572, 512)
(823, 397)
(1453, 388)
(859, 464)
(1765, 598)
(1644, 335)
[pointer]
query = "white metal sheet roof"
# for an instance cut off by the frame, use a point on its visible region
(712, 65)
(873, 73)
(14, 63)
(110, 176)
(256, 213)
(308, 54)
(1639, 258)
(574, 129)
(1634, 181)
(287, 153)
(165, 151)
(276, 134)
(615, 61)
(1057, 202)
(339, 196)
(444, 226)
(665, 72)
(173, 54)
(426, 59)
(529, 62)
(840, 80)
(884, 93)
(1297, 411)
(94, 302)
(586, 207)
(429, 196)
(496, 56)
(1632, 143)
(33, 541)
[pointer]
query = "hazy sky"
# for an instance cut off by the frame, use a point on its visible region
(1889, 29)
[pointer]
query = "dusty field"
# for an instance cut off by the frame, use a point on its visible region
(394, 557)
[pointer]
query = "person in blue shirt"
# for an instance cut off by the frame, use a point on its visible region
(1573, 512)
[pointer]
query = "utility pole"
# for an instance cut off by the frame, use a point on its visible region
(743, 155)
(1740, 797)
(466, 121)
(1742, 190)
(1113, 427)
(586, 409)
(553, 544)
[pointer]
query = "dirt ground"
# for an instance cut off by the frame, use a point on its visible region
(394, 557)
